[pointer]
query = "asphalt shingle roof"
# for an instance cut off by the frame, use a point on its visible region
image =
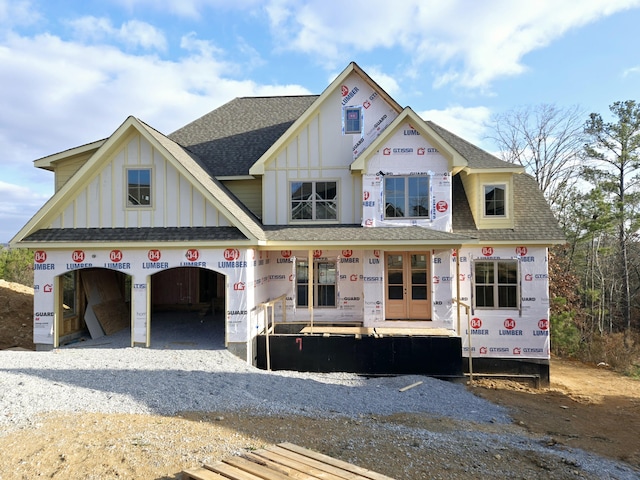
(160, 234)
(475, 156)
(231, 138)
(355, 232)
(534, 220)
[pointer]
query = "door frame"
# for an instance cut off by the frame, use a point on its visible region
(407, 308)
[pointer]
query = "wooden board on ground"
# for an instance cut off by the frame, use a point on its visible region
(282, 462)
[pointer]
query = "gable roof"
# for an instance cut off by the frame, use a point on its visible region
(258, 167)
(455, 159)
(233, 137)
(185, 163)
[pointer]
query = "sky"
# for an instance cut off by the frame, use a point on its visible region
(71, 71)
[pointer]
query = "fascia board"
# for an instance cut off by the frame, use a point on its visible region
(47, 162)
(517, 169)
(455, 159)
(51, 206)
(258, 167)
(239, 219)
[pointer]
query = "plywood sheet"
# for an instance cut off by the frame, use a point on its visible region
(112, 315)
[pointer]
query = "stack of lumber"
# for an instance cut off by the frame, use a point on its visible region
(284, 461)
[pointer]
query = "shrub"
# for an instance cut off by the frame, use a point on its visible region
(16, 265)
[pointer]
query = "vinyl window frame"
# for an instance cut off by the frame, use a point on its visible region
(406, 181)
(312, 200)
(322, 291)
(148, 201)
(504, 286)
(486, 190)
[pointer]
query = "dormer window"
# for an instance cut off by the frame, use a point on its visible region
(352, 120)
(138, 187)
(495, 200)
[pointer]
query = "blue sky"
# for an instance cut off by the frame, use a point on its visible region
(72, 71)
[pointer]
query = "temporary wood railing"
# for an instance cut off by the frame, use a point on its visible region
(467, 309)
(269, 309)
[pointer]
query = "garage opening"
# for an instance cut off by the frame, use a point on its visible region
(188, 309)
(96, 302)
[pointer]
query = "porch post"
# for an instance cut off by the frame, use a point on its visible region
(311, 285)
(458, 306)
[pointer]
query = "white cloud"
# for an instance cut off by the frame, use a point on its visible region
(59, 94)
(466, 122)
(133, 33)
(17, 204)
(194, 9)
(470, 43)
(630, 72)
(17, 13)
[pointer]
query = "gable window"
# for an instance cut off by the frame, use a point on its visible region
(494, 200)
(496, 284)
(138, 187)
(324, 284)
(406, 197)
(352, 120)
(314, 201)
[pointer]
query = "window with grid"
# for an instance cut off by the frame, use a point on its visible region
(314, 201)
(494, 200)
(324, 284)
(496, 284)
(406, 197)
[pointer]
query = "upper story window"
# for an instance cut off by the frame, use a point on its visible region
(495, 200)
(138, 187)
(352, 120)
(314, 201)
(496, 284)
(406, 197)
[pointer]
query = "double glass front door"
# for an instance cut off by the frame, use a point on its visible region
(408, 295)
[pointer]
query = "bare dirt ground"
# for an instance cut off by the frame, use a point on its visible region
(586, 407)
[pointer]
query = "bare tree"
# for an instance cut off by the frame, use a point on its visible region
(545, 139)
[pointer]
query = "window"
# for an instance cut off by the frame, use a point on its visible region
(324, 284)
(69, 293)
(496, 284)
(138, 187)
(314, 201)
(352, 120)
(494, 200)
(406, 197)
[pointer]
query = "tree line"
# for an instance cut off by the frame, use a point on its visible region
(588, 168)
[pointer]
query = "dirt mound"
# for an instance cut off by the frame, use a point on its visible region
(16, 316)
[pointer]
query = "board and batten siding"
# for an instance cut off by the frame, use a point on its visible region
(249, 192)
(101, 203)
(317, 151)
(64, 170)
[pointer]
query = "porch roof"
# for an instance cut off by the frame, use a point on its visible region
(159, 234)
(358, 233)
